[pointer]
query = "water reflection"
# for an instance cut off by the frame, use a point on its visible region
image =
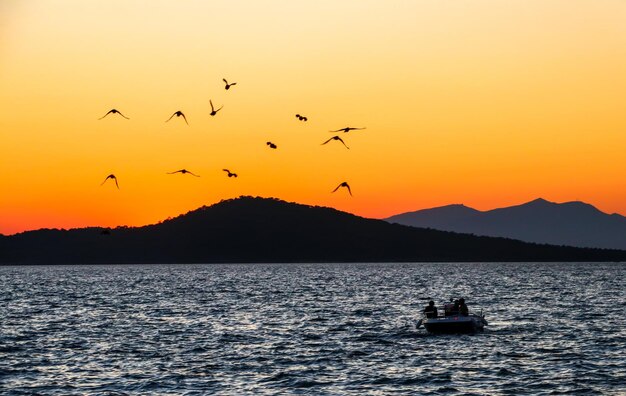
(324, 328)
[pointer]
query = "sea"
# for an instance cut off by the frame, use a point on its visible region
(310, 329)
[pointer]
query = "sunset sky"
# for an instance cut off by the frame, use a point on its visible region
(486, 103)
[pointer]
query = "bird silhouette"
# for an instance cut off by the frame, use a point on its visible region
(336, 138)
(301, 118)
(272, 145)
(213, 111)
(113, 111)
(112, 177)
(178, 114)
(230, 174)
(344, 184)
(347, 129)
(227, 87)
(183, 171)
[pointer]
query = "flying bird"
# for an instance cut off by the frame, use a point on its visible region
(213, 111)
(301, 118)
(113, 111)
(230, 174)
(336, 138)
(227, 87)
(178, 114)
(347, 129)
(112, 177)
(183, 171)
(344, 184)
(272, 145)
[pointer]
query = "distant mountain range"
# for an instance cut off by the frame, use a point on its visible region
(251, 229)
(540, 221)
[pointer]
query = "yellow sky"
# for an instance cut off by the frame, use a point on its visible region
(487, 103)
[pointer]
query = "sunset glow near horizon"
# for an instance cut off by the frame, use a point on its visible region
(486, 103)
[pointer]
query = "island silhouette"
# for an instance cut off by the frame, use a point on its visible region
(540, 221)
(251, 230)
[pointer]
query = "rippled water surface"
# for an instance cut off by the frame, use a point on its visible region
(310, 329)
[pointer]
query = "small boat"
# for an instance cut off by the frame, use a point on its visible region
(454, 324)
(453, 321)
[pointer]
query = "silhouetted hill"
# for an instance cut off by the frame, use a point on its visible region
(268, 230)
(540, 221)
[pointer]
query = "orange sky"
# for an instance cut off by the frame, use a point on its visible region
(487, 103)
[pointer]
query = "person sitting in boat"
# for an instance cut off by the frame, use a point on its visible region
(451, 308)
(430, 310)
(464, 311)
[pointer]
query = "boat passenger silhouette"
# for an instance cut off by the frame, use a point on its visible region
(452, 308)
(113, 111)
(431, 310)
(463, 310)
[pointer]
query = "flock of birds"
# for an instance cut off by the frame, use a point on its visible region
(213, 112)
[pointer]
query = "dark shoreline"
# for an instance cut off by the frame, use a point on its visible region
(307, 262)
(263, 230)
